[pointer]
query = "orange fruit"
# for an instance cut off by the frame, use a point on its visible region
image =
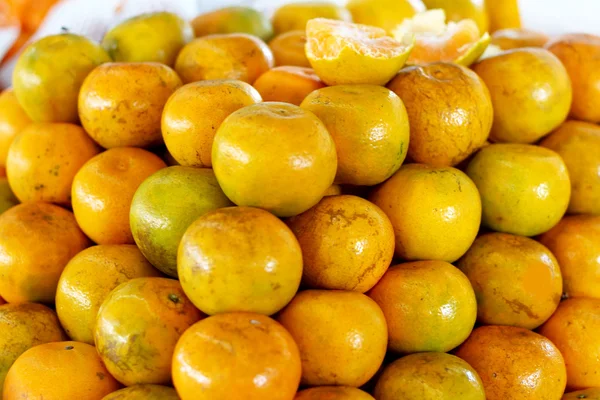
(288, 84)
(459, 10)
(369, 126)
(589, 394)
(59, 371)
(386, 14)
(275, 156)
(342, 336)
(7, 197)
(288, 49)
(230, 354)
(440, 135)
(347, 243)
(236, 19)
(294, 16)
(37, 240)
(103, 189)
(12, 121)
(333, 393)
(144, 392)
(515, 363)
(503, 14)
(514, 38)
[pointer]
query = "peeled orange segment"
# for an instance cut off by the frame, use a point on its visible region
(346, 53)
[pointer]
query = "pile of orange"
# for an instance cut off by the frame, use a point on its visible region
(303, 207)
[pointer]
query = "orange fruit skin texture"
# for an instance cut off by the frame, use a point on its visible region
(580, 54)
(514, 38)
(355, 330)
(524, 189)
(588, 394)
(239, 259)
(226, 355)
(288, 49)
(44, 158)
(386, 14)
(503, 14)
(429, 376)
(433, 298)
(40, 373)
(425, 203)
(347, 243)
(137, 328)
(515, 363)
(143, 392)
(457, 10)
(442, 135)
(23, 326)
(103, 189)
(12, 121)
(531, 93)
(369, 126)
(333, 393)
(120, 104)
(36, 240)
(88, 278)
(288, 84)
(574, 330)
(517, 281)
(7, 198)
(233, 20)
(275, 156)
(190, 119)
(49, 74)
(224, 56)
(294, 16)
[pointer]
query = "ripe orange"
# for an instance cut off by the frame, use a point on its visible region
(12, 121)
(503, 14)
(514, 38)
(333, 393)
(288, 49)
(288, 84)
(386, 14)
(588, 394)
(144, 392)
(236, 19)
(294, 16)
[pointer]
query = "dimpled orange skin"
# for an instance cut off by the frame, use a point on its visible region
(59, 371)
(370, 127)
(275, 156)
(226, 355)
(88, 278)
(288, 49)
(137, 328)
(355, 330)
(120, 104)
(224, 56)
(190, 119)
(578, 143)
(37, 240)
(347, 243)
(514, 38)
(144, 392)
(239, 259)
(524, 189)
(424, 203)
(333, 393)
(12, 121)
(442, 135)
(44, 158)
(588, 394)
(103, 189)
(288, 84)
(517, 281)
(294, 16)
(515, 363)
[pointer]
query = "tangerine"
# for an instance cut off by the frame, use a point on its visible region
(288, 49)
(236, 19)
(288, 84)
(12, 121)
(294, 16)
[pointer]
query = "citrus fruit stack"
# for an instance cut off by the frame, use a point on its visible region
(380, 209)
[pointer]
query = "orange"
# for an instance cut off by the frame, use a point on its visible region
(103, 189)
(190, 119)
(514, 38)
(342, 336)
(515, 363)
(224, 56)
(44, 158)
(7, 198)
(275, 156)
(88, 278)
(144, 392)
(589, 394)
(12, 121)
(440, 135)
(503, 14)
(59, 371)
(236, 19)
(346, 53)
(226, 355)
(288, 84)
(386, 14)
(137, 328)
(517, 281)
(347, 243)
(37, 240)
(459, 10)
(295, 15)
(370, 128)
(120, 104)
(333, 393)
(429, 376)
(424, 204)
(288, 49)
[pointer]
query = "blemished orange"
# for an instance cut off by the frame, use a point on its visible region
(425, 203)
(288, 49)
(342, 336)
(190, 119)
(103, 189)
(225, 355)
(239, 259)
(347, 243)
(288, 84)
(514, 38)
(459, 10)
(588, 394)
(234, 19)
(333, 393)
(137, 328)
(224, 56)
(295, 15)
(369, 126)
(144, 392)
(503, 14)
(386, 14)
(37, 240)
(515, 363)
(433, 298)
(44, 158)
(12, 121)
(88, 278)
(517, 281)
